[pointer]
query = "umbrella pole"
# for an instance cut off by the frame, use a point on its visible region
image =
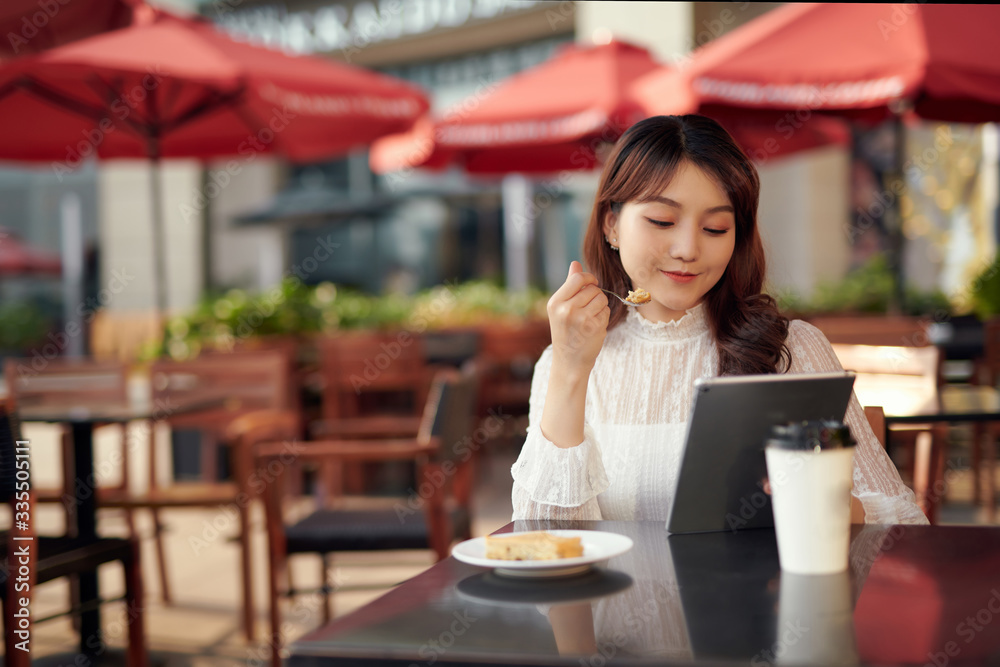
(897, 300)
(159, 245)
(72, 274)
(515, 192)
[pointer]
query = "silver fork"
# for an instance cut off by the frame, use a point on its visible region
(622, 299)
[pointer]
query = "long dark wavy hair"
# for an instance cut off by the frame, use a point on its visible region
(749, 330)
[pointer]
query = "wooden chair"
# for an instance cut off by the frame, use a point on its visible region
(54, 557)
(876, 420)
(250, 381)
(257, 426)
(875, 415)
(507, 359)
(428, 520)
(894, 330)
(905, 381)
(985, 434)
(373, 385)
(366, 373)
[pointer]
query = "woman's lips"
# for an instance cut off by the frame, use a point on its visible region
(679, 277)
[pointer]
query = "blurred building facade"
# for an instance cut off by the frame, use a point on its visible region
(394, 232)
(453, 49)
(337, 221)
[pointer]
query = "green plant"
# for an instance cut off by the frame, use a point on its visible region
(475, 302)
(867, 289)
(22, 324)
(222, 318)
(985, 293)
(864, 290)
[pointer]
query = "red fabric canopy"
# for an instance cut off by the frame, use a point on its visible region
(559, 115)
(31, 26)
(550, 117)
(198, 92)
(581, 90)
(18, 258)
(855, 59)
(769, 134)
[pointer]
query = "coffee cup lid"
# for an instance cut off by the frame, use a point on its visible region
(817, 435)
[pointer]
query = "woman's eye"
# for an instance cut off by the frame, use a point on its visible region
(716, 232)
(660, 223)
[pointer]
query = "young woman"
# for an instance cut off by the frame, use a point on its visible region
(676, 215)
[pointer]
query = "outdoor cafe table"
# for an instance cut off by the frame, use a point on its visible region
(920, 595)
(960, 404)
(81, 419)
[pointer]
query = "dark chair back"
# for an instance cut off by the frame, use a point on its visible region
(451, 348)
(454, 418)
(449, 419)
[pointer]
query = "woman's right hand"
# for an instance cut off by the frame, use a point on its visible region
(578, 316)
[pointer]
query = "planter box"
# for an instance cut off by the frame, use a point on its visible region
(874, 329)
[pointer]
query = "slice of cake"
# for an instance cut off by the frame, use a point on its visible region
(638, 296)
(535, 545)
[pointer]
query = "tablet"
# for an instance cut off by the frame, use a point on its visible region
(720, 482)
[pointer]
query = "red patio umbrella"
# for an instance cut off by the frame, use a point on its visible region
(767, 134)
(18, 258)
(863, 60)
(551, 117)
(556, 116)
(170, 86)
(31, 26)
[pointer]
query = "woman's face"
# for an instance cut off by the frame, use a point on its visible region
(677, 246)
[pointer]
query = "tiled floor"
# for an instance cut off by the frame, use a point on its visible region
(202, 628)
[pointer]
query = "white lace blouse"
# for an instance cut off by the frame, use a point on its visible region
(639, 397)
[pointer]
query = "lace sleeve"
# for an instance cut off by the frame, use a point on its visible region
(551, 482)
(876, 481)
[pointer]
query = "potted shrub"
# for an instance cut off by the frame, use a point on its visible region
(23, 326)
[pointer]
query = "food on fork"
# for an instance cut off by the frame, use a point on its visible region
(638, 296)
(534, 545)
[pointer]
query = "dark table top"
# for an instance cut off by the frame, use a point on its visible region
(83, 412)
(959, 403)
(914, 595)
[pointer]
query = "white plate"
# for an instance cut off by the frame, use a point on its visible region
(597, 546)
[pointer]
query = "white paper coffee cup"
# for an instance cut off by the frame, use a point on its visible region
(811, 501)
